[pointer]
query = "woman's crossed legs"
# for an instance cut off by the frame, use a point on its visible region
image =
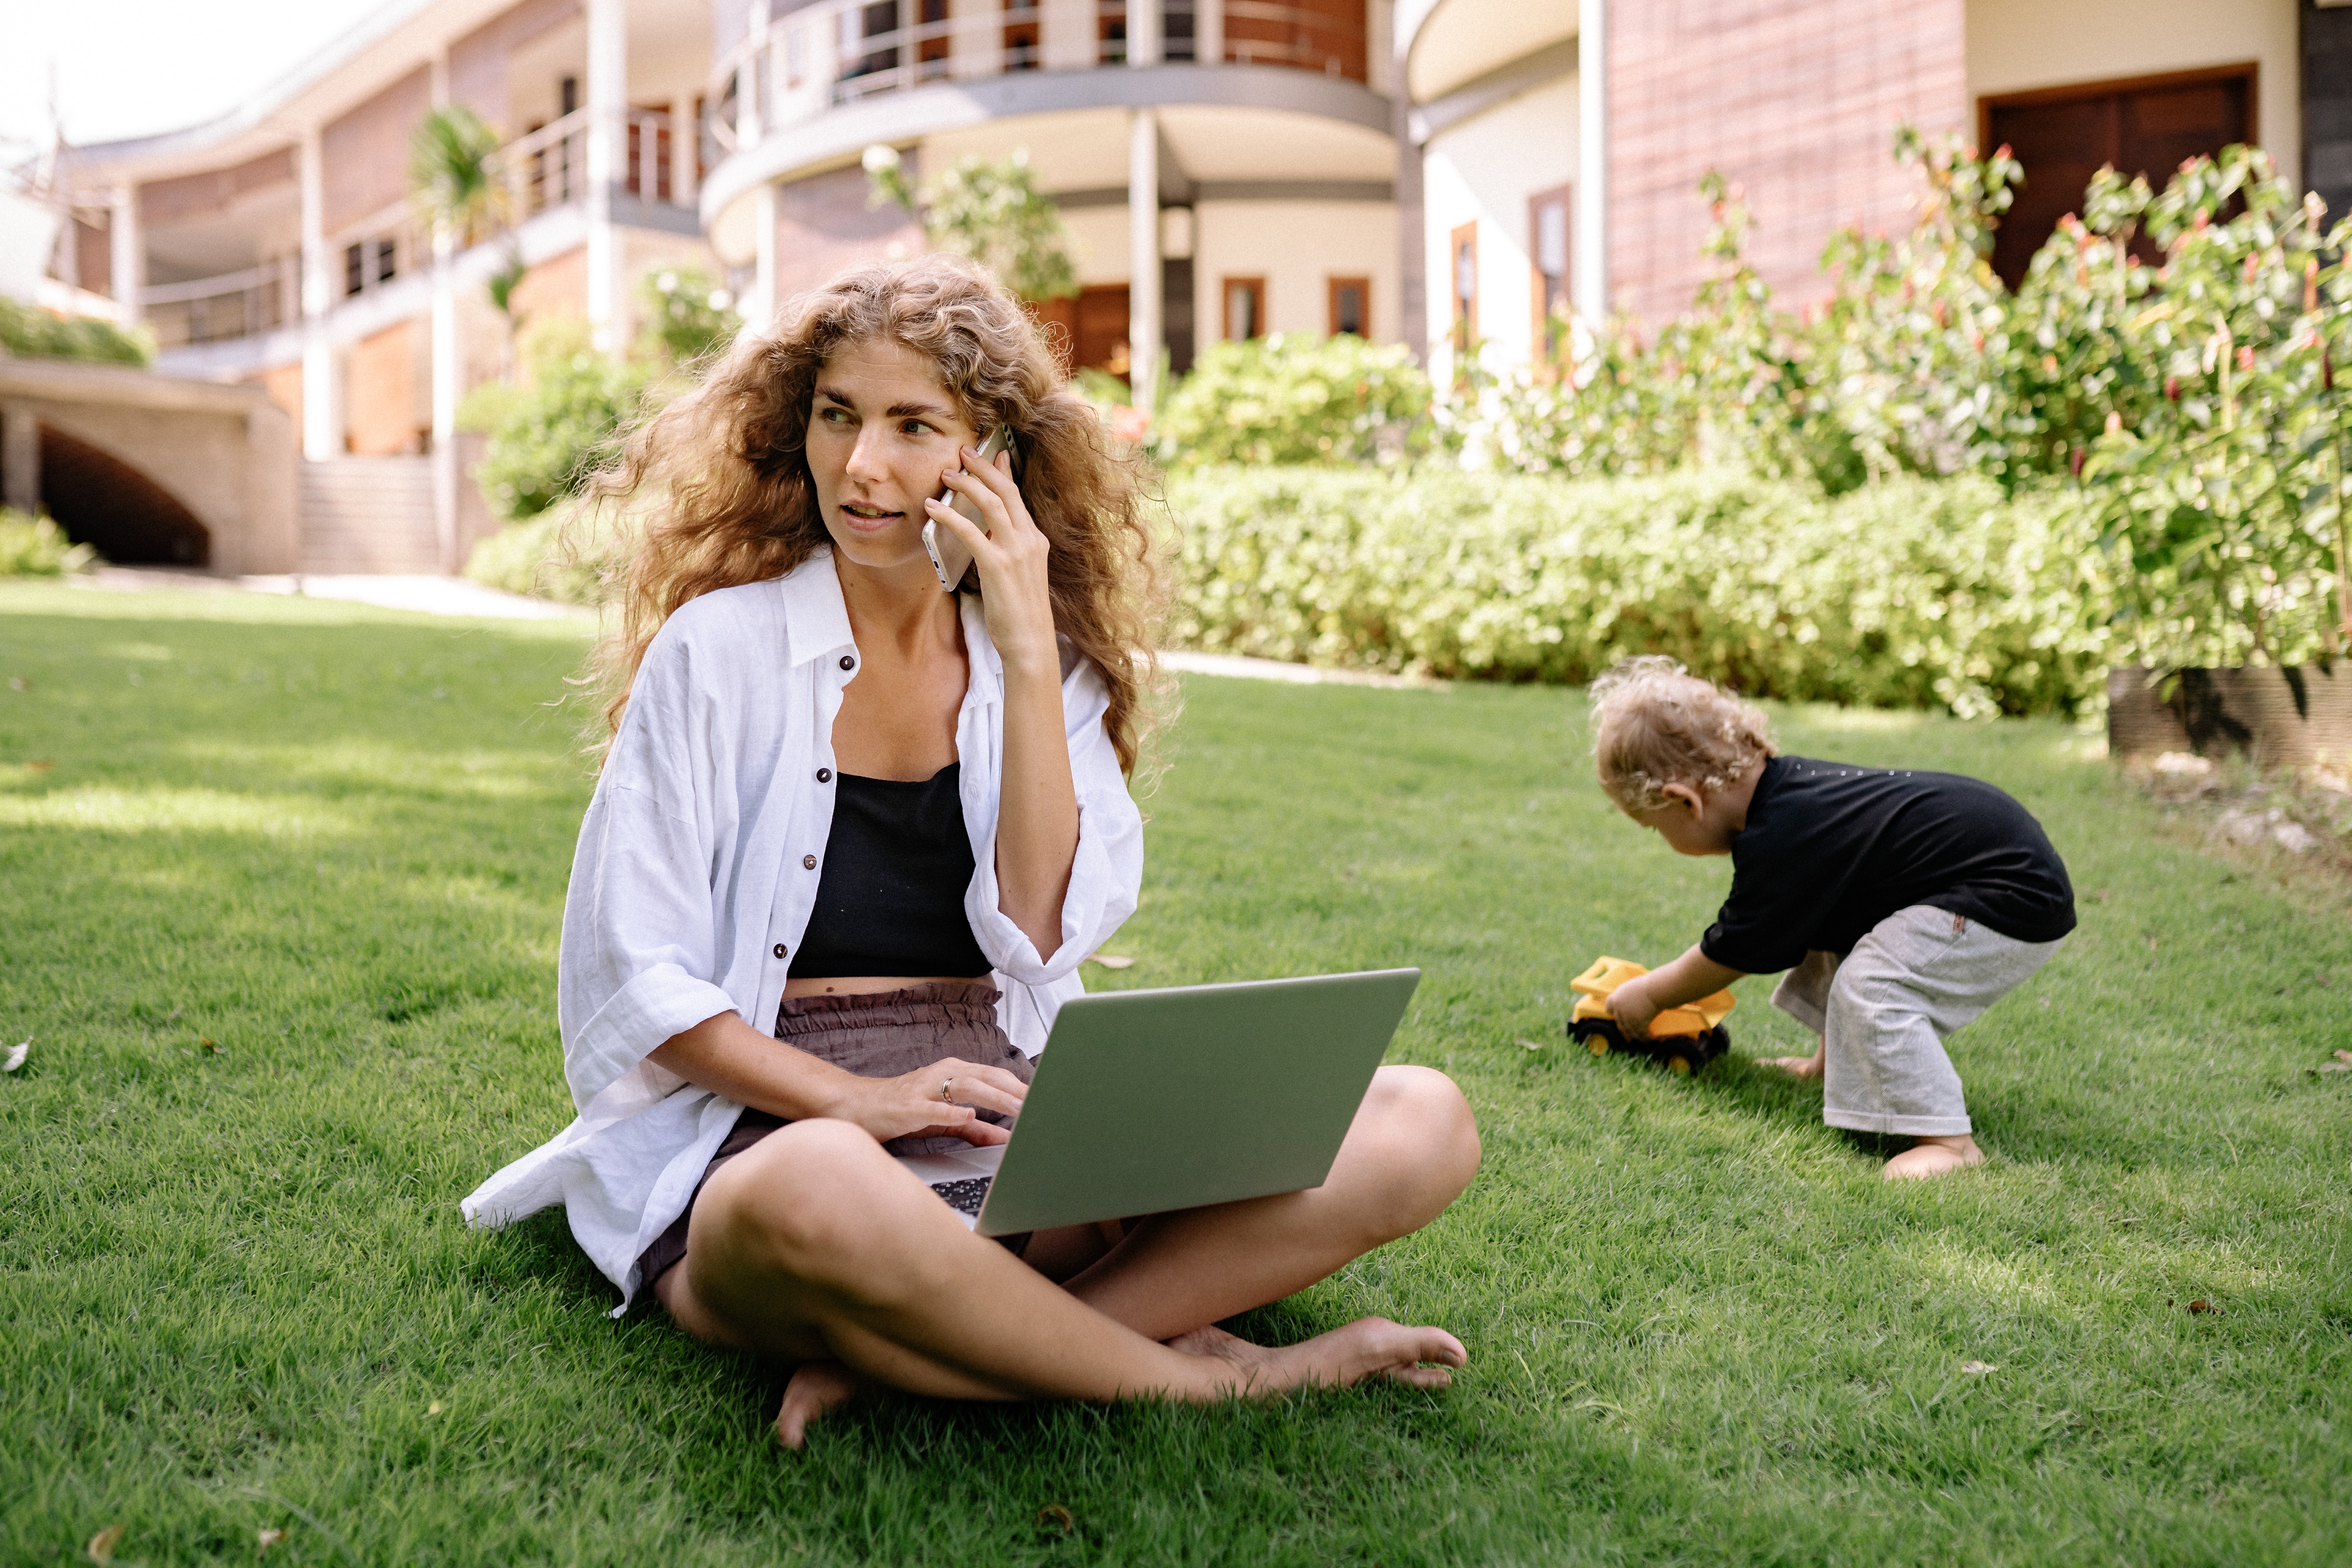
(816, 1246)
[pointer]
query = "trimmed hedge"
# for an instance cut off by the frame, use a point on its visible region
(1905, 594)
(34, 546)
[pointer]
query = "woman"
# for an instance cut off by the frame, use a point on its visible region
(892, 821)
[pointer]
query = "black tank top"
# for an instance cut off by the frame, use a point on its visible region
(891, 898)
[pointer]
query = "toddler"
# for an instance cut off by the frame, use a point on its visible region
(1902, 904)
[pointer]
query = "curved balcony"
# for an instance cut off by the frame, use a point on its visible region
(819, 83)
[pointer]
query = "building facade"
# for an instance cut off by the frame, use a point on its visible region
(1436, 171)
(1559, 148)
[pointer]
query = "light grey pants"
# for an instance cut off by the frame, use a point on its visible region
(1885, 1009)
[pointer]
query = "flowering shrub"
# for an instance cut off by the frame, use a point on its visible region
(547, 437)
(1294, 397)
(1910, 593)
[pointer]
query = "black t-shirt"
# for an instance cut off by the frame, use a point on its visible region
(1829, 850)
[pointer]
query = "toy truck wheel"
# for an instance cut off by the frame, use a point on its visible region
(1598, 1044)
(1679, 1066)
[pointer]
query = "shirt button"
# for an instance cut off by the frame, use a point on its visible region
(779, 949)
(808, 862)
(847, 662)
(825, 775)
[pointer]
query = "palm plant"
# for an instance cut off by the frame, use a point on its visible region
(453, 175)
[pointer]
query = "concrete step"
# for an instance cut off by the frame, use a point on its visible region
(367, 515)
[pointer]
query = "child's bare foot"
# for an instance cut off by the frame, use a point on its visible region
(1801, 1067)
(1934, 1157)
(1367, 1347)
(816, 1386)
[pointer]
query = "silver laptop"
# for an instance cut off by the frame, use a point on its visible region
(1152, 1101)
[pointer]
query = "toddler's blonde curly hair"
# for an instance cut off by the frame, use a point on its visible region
(1655, 724)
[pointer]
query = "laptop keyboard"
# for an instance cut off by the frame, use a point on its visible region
(964, 1197)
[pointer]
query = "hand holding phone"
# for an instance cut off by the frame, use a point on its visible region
(950, 556)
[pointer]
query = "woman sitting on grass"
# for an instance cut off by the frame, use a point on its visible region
(889, 822)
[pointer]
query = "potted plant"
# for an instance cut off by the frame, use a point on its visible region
(2221, 501)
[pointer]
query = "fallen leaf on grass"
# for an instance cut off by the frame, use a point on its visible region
(212, 1046)
(2200, 1305)
(1530, 1045)
(1054, 1513)
(18, 683)
(101, 1545)
(16, 1053)
(39, 765)
(1111, 961)
(265, 1539)
(433, 1409)
(1980, 1368)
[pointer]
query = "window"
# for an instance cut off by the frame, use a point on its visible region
(1244, 308)
(2148, 126)
(1351, 306)
(1176, 34)
(1110, 32)
(931, 47)
(1463, 273)
(354, 270)
(1020, 35)
(1548, 212)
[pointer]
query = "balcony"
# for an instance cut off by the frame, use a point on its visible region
(544, 172)
(839, 53)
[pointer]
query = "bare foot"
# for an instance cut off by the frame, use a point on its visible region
(816, 1387)
(1800, 1067)
(1934, 1157)
(1367, 1347)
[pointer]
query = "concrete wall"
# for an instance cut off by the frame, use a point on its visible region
(1796, 102)
(1484, 171)
(224, 453)
(1298, 247)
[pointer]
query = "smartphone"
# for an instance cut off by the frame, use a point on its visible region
(949, 557)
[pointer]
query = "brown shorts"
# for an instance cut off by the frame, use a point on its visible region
(880, 1034)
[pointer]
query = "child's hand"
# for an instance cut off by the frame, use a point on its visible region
(1632, 1006)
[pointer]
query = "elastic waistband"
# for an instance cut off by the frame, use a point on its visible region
(948, 1001)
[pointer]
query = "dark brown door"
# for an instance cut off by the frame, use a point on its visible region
(2065, 136)
(1101, 328)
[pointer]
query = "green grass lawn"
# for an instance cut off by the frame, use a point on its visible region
(280, 918)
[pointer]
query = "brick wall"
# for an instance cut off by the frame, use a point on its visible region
(383, 416)
(823, 227)
(477, 62)
(1795, 101)
(214, 191)
(365, 153)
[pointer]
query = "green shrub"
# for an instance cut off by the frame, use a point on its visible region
(538, 557)
(1294, 398)
(33, 546)
(687, 316)
(1905, 594)
(548, 437)
(34, 333)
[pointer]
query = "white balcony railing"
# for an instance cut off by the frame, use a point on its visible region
(837, 52)
(544, 170)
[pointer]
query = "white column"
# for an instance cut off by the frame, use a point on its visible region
(20, 455)
(748, 76)
(445, 364)
(1144, 32)
(323, 412)
(1143, 313)
(1209, 32)
(608, 131)
(129, 247)
(759, 307)
(1588, 289)
(684, 147)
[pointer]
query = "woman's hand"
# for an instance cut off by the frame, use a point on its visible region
(1037, 806)
(1010, 555)
(942, 1100)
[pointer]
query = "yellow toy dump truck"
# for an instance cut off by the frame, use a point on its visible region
(1681, 1039)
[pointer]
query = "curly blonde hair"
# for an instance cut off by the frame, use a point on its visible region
(1655, 724)
(722, 473)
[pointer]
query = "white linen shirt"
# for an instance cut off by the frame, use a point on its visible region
(699, 865)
